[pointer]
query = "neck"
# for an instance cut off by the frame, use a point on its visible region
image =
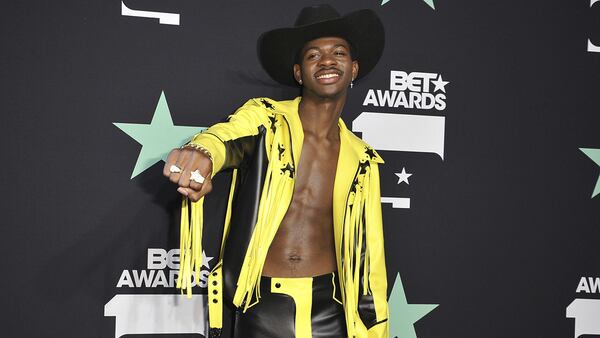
(320, 115)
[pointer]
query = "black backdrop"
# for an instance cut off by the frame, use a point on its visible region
(501, 233)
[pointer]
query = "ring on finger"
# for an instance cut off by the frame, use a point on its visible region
(196, 176)
(174, 169)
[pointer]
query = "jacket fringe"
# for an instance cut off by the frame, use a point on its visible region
(361, 224)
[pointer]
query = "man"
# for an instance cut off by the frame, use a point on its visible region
(302, 253)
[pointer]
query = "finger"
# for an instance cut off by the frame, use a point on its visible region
(171, 160)
(181, 162)
(193, 184)
(194, 195)
(186, 168)
(198, 161)
(205, 170)
(189, 192)
(206, 187)
(183, 191)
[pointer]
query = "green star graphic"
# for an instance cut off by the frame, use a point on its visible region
(429, 2)
(403, 316)
(157, 138)
(594, 154)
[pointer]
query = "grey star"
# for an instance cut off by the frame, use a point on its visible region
(206, 259)
(403, 176)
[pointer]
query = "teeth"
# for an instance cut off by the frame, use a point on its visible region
(327, 76)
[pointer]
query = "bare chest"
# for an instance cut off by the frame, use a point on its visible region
(315, 175)
(304, 243)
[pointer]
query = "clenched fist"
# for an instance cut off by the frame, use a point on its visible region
(188, 160)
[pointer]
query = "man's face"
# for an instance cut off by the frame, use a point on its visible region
(326, 67)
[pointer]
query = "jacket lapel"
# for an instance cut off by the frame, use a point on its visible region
(289, 110)
(346, 169)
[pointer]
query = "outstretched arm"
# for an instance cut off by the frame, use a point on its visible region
(226, 142)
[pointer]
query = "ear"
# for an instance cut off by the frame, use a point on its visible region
(298, 73)
(354, 69)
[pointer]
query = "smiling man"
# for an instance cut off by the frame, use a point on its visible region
(303, 253)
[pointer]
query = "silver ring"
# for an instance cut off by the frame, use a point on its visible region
(196, 177)
(174, 169)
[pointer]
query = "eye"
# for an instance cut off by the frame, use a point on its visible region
(340, 52)
(311, 56)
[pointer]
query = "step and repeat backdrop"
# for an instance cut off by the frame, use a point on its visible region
(486, 113)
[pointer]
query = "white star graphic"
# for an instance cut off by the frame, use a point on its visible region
(440, 84)
(206, 259)
(403, 176)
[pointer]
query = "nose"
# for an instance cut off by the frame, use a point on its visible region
(327, 59)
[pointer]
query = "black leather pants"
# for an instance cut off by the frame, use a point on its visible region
(294, 308)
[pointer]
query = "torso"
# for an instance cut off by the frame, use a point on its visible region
(304, 243)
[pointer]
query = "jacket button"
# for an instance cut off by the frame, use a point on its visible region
(278, 285)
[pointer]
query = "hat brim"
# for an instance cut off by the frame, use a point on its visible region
(277, 48)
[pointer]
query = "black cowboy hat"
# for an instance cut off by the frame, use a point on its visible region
(278, 48)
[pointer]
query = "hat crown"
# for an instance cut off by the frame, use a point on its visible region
(278, 48)
(313, 14)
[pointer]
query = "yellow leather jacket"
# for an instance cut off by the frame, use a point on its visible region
(250, 143)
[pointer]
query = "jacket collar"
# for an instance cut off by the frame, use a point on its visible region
(355, 148)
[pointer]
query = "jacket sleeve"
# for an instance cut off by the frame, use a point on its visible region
(376, 254)
(229, 142)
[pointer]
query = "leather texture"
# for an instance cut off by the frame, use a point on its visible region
(251, 177)
(242, 143)
(273, 316)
